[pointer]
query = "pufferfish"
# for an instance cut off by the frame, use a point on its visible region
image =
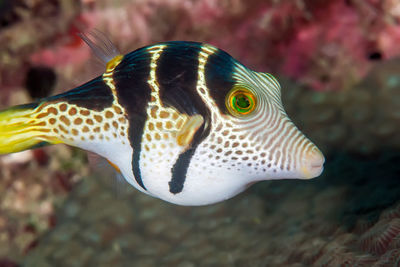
(181, 121)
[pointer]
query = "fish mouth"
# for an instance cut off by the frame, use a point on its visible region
(313, 165)
(317, 169)
(311, 172)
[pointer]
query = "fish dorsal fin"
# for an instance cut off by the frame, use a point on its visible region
(101, 46)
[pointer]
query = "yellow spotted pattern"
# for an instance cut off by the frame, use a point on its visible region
(73, 124)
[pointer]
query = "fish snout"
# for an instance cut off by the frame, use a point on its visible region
(313, 164)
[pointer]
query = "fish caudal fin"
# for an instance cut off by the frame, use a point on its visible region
(21, 129)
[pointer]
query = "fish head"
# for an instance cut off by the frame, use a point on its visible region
(254, 135)
(235, 131)
(251, 138)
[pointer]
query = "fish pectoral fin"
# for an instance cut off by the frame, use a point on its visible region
(114, 166)
(188, 130)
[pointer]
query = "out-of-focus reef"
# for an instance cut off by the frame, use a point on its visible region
(25, 27)
(363, 120)
(350, 216)
(337, 64)
(325, 44)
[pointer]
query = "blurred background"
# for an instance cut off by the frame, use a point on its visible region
(339, 66)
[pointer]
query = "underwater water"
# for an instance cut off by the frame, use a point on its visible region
(349, 216)
(343, 93)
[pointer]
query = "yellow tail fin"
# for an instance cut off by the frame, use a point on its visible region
(21, 130)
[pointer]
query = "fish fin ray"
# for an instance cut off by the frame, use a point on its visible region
(100, 45)
(21, 130)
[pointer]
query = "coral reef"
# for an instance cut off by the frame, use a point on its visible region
(390, 258)
(327, 45)
(289, 223)
(301, 39)
(349, 217)
(33, 184)
(27, 26)
(379, 237)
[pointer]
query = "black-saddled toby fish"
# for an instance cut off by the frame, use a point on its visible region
(181, 121)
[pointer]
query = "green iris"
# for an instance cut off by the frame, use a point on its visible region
(240, 101)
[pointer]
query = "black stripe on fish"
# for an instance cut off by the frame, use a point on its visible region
(219, 77)
(177, 72)
(133, 93)
(93, 95)
(177, 77)
(180, 168)
(25, 106)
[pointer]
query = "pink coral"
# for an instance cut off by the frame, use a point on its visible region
(388, 40)
(325, 44)
(69, 49)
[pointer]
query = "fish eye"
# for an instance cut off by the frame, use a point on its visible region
(240, 102)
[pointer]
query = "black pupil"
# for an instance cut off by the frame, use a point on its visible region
(242, 101)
